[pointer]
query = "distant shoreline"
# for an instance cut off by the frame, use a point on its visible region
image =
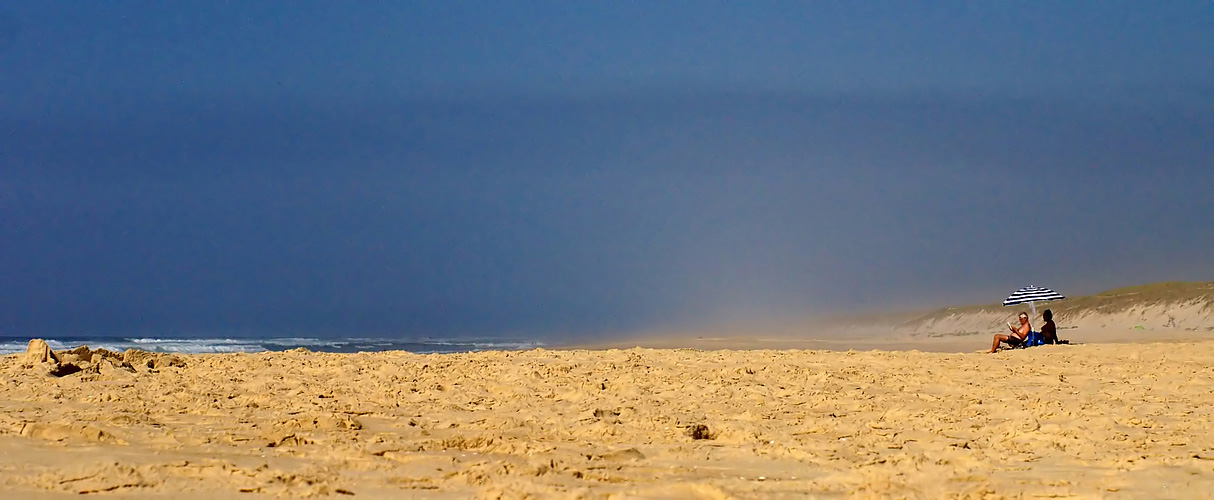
(952, 344)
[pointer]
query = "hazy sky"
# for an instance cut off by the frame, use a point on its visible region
(561, 168)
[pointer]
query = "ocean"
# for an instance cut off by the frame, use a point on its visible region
(10, 344)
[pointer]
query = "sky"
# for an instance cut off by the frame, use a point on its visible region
(572, 169)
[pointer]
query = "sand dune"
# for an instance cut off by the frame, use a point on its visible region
(1148, 313)
(1111, 420)
(1166, 309)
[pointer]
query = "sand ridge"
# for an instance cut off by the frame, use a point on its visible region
(1111, 420)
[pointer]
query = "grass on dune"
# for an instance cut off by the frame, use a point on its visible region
(1113, 301)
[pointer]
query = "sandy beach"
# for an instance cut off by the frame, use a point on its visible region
(1095, 420)
(606, 250)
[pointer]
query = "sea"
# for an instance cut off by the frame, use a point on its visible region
(11, 344)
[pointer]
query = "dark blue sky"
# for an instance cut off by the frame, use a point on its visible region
(562, 168)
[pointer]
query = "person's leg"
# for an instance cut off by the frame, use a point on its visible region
(998, 338)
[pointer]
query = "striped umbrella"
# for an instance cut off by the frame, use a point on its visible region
(1031, 294)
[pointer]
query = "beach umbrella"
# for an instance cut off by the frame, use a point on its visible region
(1031, 294)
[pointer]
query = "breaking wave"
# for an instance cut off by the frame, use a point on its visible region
(9, 345)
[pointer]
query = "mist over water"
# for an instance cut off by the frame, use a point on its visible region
(579, 216)
(409, 170)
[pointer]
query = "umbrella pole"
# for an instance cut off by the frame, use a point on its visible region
(1033, 307)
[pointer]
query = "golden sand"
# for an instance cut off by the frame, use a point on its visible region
(1111, 420)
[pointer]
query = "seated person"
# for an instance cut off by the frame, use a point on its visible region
(1049, 331)
(1018, 336)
